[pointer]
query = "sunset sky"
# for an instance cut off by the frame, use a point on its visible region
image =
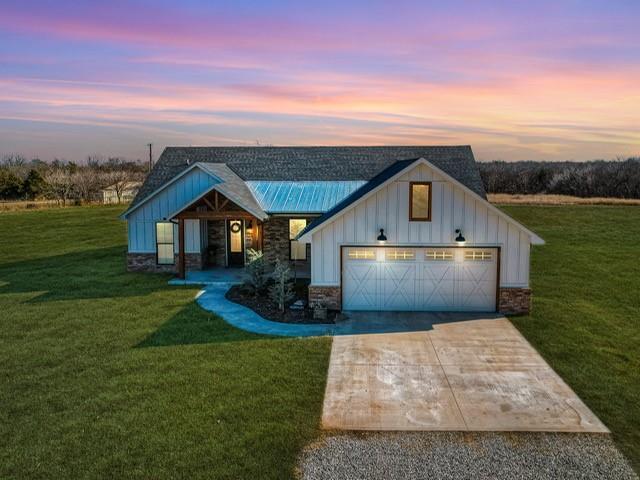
(543, 80)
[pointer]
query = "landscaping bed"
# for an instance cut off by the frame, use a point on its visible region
(266, 308)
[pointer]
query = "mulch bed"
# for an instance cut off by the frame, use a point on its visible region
(264, 307)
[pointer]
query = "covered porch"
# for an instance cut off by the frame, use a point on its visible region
(226, 233)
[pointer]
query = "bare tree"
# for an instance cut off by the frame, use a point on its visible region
(87, 183)
(59, 184)
(119, 180)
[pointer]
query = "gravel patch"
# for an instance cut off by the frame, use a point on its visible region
(456, 455)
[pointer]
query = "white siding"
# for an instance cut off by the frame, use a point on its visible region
(141, 222)
(452, 208)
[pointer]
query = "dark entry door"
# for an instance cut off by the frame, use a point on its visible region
(235, 243)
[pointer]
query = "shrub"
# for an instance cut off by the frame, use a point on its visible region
(255, 270)
(281, 291)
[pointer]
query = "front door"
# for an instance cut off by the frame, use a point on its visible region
(235, 243)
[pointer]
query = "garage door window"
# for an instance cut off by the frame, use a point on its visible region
(438, 255)
(361, 254)
(480, 255)
(400, 255)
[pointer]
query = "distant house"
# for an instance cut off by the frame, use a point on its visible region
(381, 228)
(127, 190)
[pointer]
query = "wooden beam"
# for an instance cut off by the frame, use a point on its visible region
(206, 200)
(224, 202)
(181, 256)
(216, 200)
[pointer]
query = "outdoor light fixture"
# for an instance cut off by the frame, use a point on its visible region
(460, 239)
(382, 237)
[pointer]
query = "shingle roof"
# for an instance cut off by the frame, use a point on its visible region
(233, 187)
(312, 163)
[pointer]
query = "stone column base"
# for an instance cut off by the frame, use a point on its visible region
(146, 262)
(329, 297)
(514, 301)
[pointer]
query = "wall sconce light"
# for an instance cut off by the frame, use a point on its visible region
(460, 238)
(382, 237)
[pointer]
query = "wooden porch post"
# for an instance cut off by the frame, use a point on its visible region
(181, 265)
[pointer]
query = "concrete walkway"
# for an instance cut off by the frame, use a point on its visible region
(476, 375)
(212, 298)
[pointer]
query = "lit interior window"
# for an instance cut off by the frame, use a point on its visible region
(477, 255)
(420, 202)
(438, 255)
(164, 243)
(298, 249)
(362, 254)
(400, 255)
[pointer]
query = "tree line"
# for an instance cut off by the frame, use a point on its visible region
(65, 181)
(599, 178)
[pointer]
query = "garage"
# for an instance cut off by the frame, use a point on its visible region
(419, 278)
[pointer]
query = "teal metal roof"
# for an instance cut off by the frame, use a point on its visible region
(301, 197)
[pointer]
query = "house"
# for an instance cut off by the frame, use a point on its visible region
(380, 228)
(120, 192)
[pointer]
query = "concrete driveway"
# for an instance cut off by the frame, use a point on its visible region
(478, 375)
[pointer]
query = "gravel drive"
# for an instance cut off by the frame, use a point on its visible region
(456, 455)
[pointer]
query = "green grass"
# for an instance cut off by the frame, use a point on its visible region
(106, 374)
(110, 374)
(586, 311)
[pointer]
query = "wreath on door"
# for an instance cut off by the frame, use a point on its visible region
(235, 227)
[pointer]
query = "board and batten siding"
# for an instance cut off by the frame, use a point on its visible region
(452, 207)
(141, 221)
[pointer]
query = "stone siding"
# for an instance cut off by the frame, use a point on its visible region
(330, 297)
(146, 262)
(276, 240)
(514, 301)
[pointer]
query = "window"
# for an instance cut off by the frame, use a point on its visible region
(420, 201)
(438, 255)
(400, 254)
(477, 255)
(164, 243)
(362, 254)
(298, 250)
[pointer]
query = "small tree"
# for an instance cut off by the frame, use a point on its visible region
(59, 184)
(34, 185)
(256, 275)
(281, 291)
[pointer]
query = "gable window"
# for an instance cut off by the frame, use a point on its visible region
(164, 243)
(420, 201)
(298, 250)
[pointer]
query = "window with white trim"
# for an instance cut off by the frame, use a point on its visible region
(164, 243)
(400, 254)
(477, 255)
(298, 250)
(438, 255)
(361, 254)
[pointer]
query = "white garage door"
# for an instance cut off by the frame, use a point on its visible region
(419, 279)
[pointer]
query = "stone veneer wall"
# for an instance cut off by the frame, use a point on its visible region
(330, 297)
(276, 240)
(146, 262)
(514, 301)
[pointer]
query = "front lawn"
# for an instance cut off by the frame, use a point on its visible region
(113, 375)
(586, 310)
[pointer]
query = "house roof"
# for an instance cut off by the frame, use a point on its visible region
(396, 170)
(372, 184)
(301, 197)
(310, 163)
(234, 188)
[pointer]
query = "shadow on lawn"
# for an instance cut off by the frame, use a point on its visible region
(98, 273)
(192, 326)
